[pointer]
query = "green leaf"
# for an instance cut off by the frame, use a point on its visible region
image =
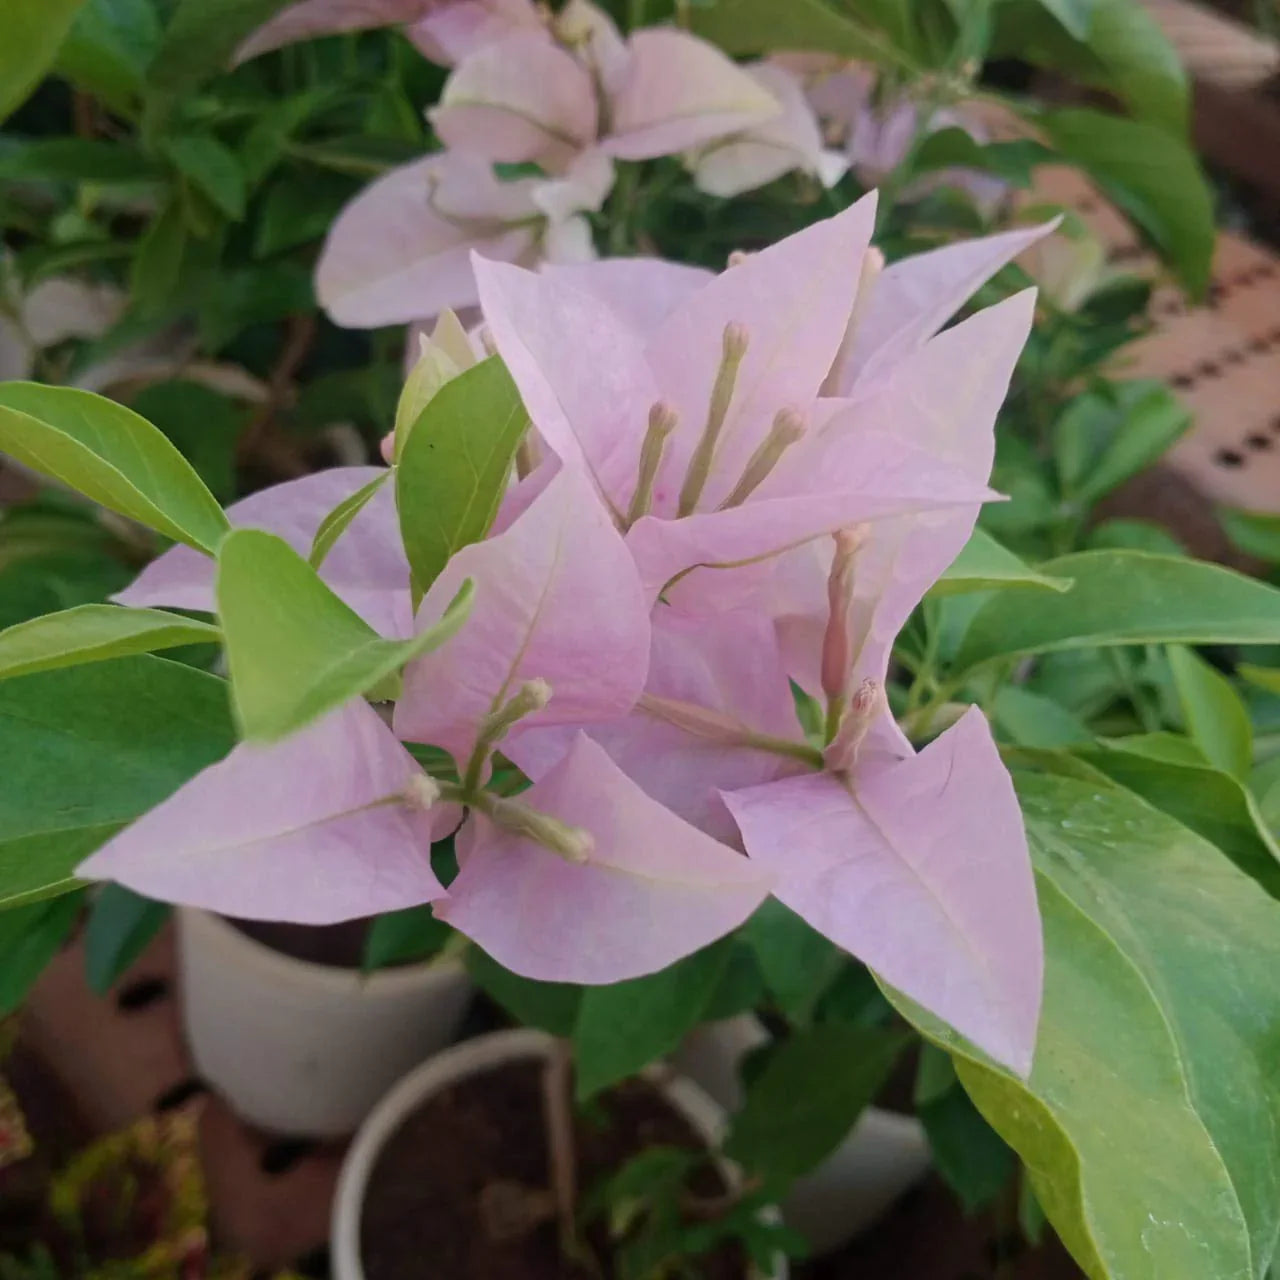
(954, 147)
(1216, 717)
(77, 160)
(295, 650)
(30, 936)
(335, 524)
(975, 1162)
(204, 424)
(1105, 436)
(1033, 720)
(454, 465)
(212, 168)
(762, 26)
(94, 633)
(1125, 597)
(1263, 677)
(33, 32)
(1151, 175)
(157, 267)
(1254, 532)
(111, 455)
(1209, 802)
(201, 37)
(624, 1026)
(1145, 1125)
(121, 925)
(813, 1087)
(798, 963)
(1075, 15)
(109, 48)
(550, 1006)
(85, 750)
(404, 937)
(984, 564)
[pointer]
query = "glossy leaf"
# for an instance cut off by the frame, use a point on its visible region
(85, 750)
(1212, 803)
(814, 1086)
(623, 1027)
(985, 564)
(1216, 717)
(111, 455)
(94, 633)
(295, 650)
(1126, 597)
(1152, 175)
(33, 31)
(1145, 1125)
(454, 465)
(121, 925)
(334, 525)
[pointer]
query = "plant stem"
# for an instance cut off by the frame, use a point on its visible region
(557, 1086)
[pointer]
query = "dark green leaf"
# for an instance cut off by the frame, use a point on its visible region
(624, 1026)
(201, 37)
(1126, 597)
(212, 168)
(798, 963)
(204, 424)
(85, 750)
(77, 160)
(404, 937)
(813, 1088)
(109, 48)
(30, 936)
(33, 32)
(550, 1006)
(121, 925)
(1216, 716)
(762, 26)
(975, 1161)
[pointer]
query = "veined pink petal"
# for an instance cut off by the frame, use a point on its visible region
(401, 250)
(728, 663)
(653, 890)
(556, 598)
(366, 567)
(794, 300)
(643, 291)
(520, 98)
(311, 18)
(753, 157)
(870, 476)
(310, 830)
(580, 369)
(455, 28)
(923, 873)
(916, 296)
(944, 398)
(678, 92)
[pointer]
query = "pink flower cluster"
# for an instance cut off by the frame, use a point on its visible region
(749, 479)
(565, 96)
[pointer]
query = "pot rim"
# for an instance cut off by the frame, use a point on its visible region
(216, 930)
(468, 1058)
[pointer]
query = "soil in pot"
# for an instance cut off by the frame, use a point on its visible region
(339, 946)
(430, 1197)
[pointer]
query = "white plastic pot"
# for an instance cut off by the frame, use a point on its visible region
(304, 1048)
(884, 1155)
(484, 1053)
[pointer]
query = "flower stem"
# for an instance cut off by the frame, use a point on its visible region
(557, 1085)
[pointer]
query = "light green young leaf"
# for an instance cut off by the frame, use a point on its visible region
(1125, 597)
(295, 650)
(111, 455)
(624, 1026)
(1267, 678)
(1151, 174)
(85, 750)
(1211, 803)
(453, 466)
(334, 525)
(813, 1088)
(1216, 717)
(94, 633)
(1149, 1124)
(985, 564)
(33, 32)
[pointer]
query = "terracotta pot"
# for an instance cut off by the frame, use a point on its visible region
(470, 1058)
(884, 1155)
(304, 1048)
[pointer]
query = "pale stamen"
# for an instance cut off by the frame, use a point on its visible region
(842, 755)
(715, 726)
(573, 844)
(662, 422)
(421, 792)
(838, 640)
(531, 697)
(788, 427)
(734, 348)
(528, 455)
(872, 266)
